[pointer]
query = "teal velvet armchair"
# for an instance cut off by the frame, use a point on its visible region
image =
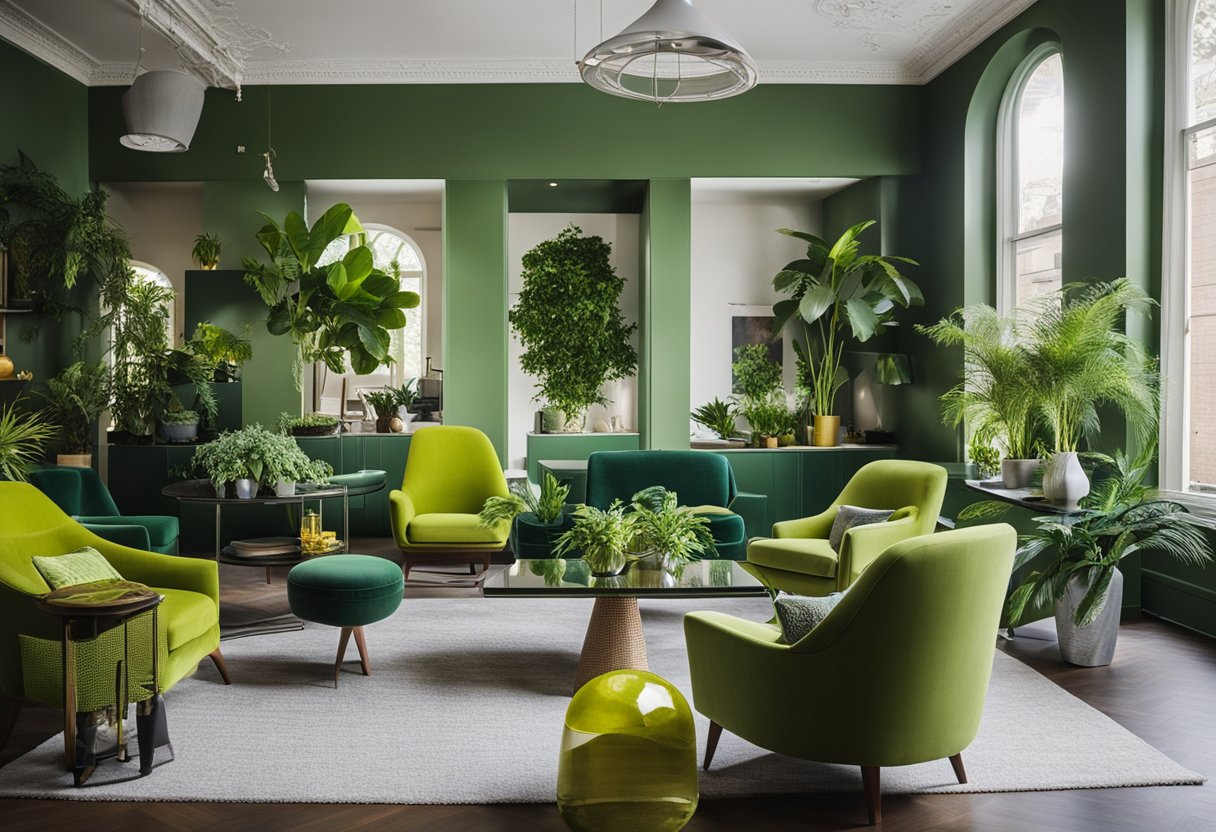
(798, 557)
(82, 495)
(896, 674)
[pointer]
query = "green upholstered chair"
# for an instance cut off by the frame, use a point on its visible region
(798, 557)
(896, 674)
(31, 524)
(449, 473)
(702, 480)
(82, 495)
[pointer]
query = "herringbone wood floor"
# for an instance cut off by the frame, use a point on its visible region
(1162, 687)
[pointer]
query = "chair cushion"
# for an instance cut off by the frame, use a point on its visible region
(806, 556)
(345, 590)
(454, 528)
(186, 615)
(849, 516)
(163, 529)
(799, 614)
(83, 566)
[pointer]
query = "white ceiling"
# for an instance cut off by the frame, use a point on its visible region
(453, 41)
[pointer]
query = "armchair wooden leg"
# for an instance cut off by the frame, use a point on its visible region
(218, 659)
(959, 771)
(711, 743)
(9, 709)
(872, 785)
(405, 567)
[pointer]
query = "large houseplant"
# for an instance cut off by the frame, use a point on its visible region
(603, 536)
(336, 313)
(23, 439)
(675, 534)
(536, 516)
(255, 457)
(837, 295)
(569, 321)
(226, 350)
(75, 399)
(759, 392)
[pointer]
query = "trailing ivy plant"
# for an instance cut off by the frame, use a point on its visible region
(339, 312)
(569, 321)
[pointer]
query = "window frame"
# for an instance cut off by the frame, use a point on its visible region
(1008, 196)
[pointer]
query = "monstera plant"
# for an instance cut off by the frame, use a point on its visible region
(334, 312)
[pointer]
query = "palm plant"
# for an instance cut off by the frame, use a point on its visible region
(602, 536)
(838, 295)
(666, 527)
(548, 505)
(23, 438)
(999, 394)
(718, 416)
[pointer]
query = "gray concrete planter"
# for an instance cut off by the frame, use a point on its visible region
(1094, 644)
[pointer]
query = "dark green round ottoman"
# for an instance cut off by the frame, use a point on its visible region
(346, 591)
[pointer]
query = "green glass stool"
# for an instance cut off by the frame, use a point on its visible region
(629, 756)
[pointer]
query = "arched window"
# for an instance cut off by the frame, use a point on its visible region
(396, 254)
(151, 274)
(1030, 180)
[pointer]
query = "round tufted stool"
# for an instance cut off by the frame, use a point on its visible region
(346, 591)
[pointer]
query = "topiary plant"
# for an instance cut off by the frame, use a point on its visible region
(569, 321)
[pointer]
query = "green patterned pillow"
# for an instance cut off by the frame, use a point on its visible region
(80, 567)
(798, 615)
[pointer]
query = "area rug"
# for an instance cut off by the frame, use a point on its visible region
(466, 705)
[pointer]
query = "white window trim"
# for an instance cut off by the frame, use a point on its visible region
(1007, 196)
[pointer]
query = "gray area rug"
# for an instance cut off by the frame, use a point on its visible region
(466, 706)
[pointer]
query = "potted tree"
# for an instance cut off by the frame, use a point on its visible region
(838, 295)
(206, 251)
(75, 400)
(569, 321)
(23, 439)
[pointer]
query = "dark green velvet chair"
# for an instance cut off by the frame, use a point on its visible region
(81, 494)
(702, 480)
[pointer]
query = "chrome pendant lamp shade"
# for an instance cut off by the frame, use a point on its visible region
(161, 110)
(671, 53)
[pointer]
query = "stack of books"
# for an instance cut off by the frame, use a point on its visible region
(266, 547)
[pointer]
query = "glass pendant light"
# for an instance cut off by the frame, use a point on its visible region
(671, 53)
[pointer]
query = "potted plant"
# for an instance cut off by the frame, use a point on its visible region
(602, 536)
(675, 534)
(404, 398)
(179, 426)
(309, 424)
(838, 296)
(384, 403)
(253, 457)
(340, 313)
(1120, 517)
(999, 395)
(539, 516)
(569, 322)
(757, 387)
(206, 251)
(75, 400)
(23, 439)
(226, 350)
(768, 416)
(718, 416)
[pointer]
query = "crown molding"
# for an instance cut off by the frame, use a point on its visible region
(952, 42)
(31, 35)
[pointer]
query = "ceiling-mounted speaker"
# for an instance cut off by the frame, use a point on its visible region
(161, 110)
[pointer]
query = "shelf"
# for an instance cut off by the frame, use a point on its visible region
(15, 311)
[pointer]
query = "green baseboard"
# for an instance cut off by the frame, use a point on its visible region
(1179, 601)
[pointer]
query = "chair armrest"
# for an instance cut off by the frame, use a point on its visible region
(818, 526)
(862, 545)
(124, 534)
(400, 513)
(167, 571)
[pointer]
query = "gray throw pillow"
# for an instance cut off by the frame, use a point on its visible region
(849, 516)
(800, 614)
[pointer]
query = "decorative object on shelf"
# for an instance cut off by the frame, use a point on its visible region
(718, 416)
(309, 424)
(1120, 517)
(206, 251)
(384, 403)
(838, 295)
(25, 375)
(553, 419)
(1064, 480)
(75, 400)
(337, 313)
(179, 427)
(161, 111)
(628, 756)
(603, 536)
(224, 349)
(23, 440)
(395, 425)
(6, 366)
(569, 322)
(670, 54)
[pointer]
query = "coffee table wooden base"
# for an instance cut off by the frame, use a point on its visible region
(614, 640)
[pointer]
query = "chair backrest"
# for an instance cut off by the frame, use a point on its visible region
(31, 524)
(452, 469)
(78, 491)
(895, 483)
(912, 644)
(698, 477)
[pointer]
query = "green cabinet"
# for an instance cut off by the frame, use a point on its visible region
(575, 446)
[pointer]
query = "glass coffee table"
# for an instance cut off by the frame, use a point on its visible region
(614, 639)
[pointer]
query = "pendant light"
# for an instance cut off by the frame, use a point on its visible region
(671, 53)
(162, 107)
(268, 173)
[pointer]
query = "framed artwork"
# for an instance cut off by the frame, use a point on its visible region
(754, 325)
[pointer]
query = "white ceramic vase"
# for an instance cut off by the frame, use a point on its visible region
(405, 416)
(1064, 481)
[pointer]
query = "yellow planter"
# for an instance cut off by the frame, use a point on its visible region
(6, 366)
(826, 431)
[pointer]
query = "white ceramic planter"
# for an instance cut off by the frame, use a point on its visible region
(1018, 473)
(283, 488)
(246, 489)
(405, 416)
(1064, 481)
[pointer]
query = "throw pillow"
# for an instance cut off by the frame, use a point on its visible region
(80, 567)
(798, 614)
(849, 516)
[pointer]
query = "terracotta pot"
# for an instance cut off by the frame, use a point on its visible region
(826, 432)
(6, 366)
(75, 460)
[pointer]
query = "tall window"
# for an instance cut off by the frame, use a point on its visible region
(1031, 180)
(396, 254)
(1189, 271)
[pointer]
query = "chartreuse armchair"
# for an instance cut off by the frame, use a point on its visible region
(798, 557)
(31, 524)
(449, 474)
(896, 674)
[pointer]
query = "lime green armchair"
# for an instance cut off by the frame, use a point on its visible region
(896, 674)
(449, 474)
(31, 524)
(798, 557)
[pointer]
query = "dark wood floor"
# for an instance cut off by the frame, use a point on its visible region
(1162, 687)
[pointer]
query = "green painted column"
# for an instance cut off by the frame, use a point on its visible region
(475, 307)
(230, 210)
(663, 379)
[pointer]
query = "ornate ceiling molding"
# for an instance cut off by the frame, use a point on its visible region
(32, 36)
(971, 29)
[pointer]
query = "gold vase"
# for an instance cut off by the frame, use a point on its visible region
(6, 366)
(826, 432)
